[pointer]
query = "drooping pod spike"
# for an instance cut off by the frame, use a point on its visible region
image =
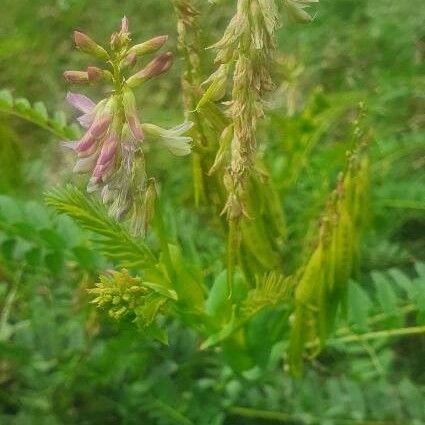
(158, 66)
(89, 46)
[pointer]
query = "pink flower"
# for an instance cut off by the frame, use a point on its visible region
(80, 102)
(157, 66)
(130, 110)
(83, 104)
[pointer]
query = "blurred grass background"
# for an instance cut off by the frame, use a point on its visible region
(57, 364)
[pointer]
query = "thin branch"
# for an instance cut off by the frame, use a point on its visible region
(247, 412)
(390, 333)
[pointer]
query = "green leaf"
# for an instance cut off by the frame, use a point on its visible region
(37, 114)
(402, 281)
(218, 304)
(40, 111)
(359, 305)
(114, 241)
(6, 99)
(385, 293)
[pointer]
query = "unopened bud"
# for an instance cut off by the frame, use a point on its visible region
(76, 77)
(124, 25)
(130, 110)
(217, 86)
(87, 45)
(121, 38)
(95, 74)
(131, 59)
(149, 46)
(158, 66)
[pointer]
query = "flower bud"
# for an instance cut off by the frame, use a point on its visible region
(121, 38)
(87, 45)
(131, 59)
(124, 25)
(217, 86)
(76, 77)
(223, 150)
(154, 68)
(130, 111)
(94, 73)
(149, 46)
(100, 125)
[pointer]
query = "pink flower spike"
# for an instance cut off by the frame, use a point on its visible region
(80, 102)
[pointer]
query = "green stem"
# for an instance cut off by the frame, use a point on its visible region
(247, 412)
(57, 133)
(159, 226)
(403, 204)
(390, 333)
(232, 249)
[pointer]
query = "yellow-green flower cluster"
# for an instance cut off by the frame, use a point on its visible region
(119, 293)
(123, 295)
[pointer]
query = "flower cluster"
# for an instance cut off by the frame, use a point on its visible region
(111, 148)
(123, 295)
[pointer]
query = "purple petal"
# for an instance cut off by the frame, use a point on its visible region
(108, 151)
(131, 117)
(81, 102)
(135, 126)
(89, 151)
(100, 125)
(100, 172)
(87, 141)
(86, 120)
(84, 165)
(70, 144)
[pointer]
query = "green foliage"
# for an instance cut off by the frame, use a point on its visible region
(328, 281)
(114, 240)
(38, 115)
